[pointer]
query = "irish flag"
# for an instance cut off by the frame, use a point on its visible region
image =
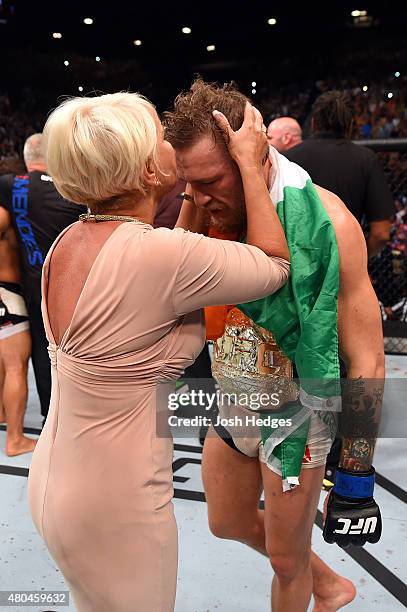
(302, 315)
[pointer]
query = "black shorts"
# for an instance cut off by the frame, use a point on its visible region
(222, 431)
(13, 311)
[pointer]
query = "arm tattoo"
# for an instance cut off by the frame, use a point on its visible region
(359, 422)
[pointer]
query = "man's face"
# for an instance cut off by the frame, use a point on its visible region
(216, 183)
(275, 137)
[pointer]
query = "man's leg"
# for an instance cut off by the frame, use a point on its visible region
(40, 358)
(2, 411)
(289, 518)
(233, 486)
(15, 352)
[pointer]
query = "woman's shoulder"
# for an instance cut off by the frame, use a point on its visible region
(67, 239)
(168, 237)
(159, 244)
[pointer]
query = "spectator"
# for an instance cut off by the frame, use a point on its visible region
(284, 133)
(38, 214)
(383, 129)
(12, 165)
(366, 127)
(348, 170)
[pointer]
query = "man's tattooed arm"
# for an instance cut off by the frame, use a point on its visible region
(359, 422)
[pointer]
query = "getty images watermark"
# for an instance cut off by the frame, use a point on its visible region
(280, 403)
(247, 404)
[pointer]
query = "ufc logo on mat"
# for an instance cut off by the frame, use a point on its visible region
(367, 525)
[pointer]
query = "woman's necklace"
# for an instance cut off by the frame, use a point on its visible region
(96, 218)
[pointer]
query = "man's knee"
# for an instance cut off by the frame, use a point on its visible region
(17, 365)
(233, 527)
(223, 527)
(288, 566)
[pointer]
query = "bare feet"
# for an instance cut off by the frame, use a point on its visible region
(340, 593)
(20, 446)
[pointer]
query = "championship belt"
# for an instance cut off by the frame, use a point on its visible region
(247, 360)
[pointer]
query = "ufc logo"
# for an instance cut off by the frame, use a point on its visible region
(367, 525)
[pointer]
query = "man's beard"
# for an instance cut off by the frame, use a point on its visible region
(234, 222)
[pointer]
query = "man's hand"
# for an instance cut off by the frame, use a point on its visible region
(248, 146)
(378, 236)
(351, 515)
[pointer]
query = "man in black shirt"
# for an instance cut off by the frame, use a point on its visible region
(38, 214)
(350, 171)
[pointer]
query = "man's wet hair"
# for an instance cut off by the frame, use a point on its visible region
(333, 112)
(191, 118)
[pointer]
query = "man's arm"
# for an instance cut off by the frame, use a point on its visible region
(352, 515)
(378, 206)
(378, 236)
(361, 348)
(5, 222)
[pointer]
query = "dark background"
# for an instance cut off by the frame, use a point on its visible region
(309, 43)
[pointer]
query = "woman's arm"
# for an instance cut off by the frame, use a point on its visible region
(213, 272)
(248, 148)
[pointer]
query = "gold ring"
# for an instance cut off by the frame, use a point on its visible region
(188, 197)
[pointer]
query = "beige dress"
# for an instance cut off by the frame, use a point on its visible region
(100, 482)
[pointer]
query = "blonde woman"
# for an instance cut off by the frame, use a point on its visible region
(121, 307)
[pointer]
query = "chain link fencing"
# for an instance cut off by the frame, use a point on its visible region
(388, 270)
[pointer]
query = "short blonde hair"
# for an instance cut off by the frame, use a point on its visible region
(97, 148)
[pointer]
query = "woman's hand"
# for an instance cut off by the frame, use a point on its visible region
(248, 146)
